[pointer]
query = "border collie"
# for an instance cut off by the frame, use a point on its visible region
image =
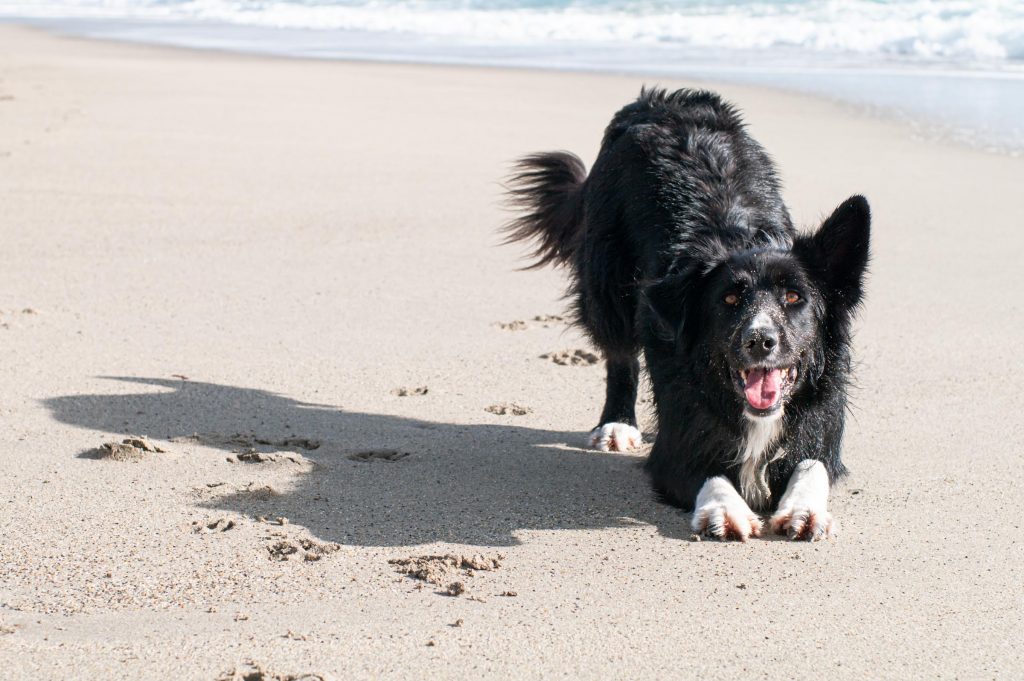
(679, 245)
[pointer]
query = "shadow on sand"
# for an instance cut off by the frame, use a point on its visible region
(468, 484)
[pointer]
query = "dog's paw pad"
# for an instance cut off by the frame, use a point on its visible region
(615, 437)
(726, 520)
(804, 523)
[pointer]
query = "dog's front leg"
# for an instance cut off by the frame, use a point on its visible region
(721, 512)
(803, 509)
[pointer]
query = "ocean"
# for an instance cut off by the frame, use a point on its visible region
(952, 68)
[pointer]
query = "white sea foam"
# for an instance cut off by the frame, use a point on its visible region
(954, 68)
(988, 32)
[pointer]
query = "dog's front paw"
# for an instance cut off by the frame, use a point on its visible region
(615, 437)
(721, 512)
(804, 522)
(803, 509)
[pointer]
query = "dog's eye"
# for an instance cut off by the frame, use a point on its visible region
(731, 299)
(792, 297)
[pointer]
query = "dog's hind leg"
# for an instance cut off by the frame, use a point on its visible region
(606, 307)
(617, 430)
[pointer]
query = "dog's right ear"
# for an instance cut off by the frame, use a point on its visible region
(837, 254)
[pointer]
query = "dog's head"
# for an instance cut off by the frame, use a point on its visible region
(762, 321)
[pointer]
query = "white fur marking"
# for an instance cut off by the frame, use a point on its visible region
(803, 509)
(754, 455)
(721, 512)
(615, 437)
(762, 320)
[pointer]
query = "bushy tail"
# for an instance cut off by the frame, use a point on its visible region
(547, 189)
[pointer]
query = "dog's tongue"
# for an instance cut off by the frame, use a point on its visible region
(762, 388)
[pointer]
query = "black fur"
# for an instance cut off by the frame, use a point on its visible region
(680, 213)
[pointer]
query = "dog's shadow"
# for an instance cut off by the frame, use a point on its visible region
(463, 483)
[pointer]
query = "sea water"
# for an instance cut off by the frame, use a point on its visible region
(952, 67)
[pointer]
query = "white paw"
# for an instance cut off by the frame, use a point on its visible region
(721, 512)
(615, 437)
(804, 523)
(803, 509)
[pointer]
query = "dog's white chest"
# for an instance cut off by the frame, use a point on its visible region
(759, 447)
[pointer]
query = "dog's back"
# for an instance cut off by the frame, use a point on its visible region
(687, 178)
(676, 172)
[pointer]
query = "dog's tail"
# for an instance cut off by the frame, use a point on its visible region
(547, 188)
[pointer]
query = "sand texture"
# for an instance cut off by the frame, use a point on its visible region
(287, 275)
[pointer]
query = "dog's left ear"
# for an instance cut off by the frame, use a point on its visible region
(837, 254)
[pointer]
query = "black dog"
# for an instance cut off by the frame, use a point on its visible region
(679, 244)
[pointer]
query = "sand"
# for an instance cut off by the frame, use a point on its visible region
(269, 250)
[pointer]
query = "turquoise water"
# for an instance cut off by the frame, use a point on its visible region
(954, 67)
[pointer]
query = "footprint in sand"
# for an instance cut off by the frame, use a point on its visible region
(305, 549)
(508, 408)
(441, 570)
(7, 317)
(254, 456)
(243, 442)
(256, 449)
(250, 671)
(410, 392)
(546, 321)
(378, 455)
(255, 492)
(212, 526)
(572, 357)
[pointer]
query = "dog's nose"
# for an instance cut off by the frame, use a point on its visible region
(760, 341)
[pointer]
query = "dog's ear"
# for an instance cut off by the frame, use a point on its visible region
(837, 254)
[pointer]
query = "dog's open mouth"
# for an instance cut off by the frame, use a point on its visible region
(764, 387)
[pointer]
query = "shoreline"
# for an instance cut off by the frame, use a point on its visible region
(936, 103)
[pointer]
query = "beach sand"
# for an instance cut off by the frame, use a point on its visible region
(248, 261)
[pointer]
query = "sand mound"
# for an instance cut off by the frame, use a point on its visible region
(133, 448)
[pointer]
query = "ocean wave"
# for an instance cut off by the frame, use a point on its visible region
(989, 33)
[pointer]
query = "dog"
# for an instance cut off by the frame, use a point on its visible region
(679, 244)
